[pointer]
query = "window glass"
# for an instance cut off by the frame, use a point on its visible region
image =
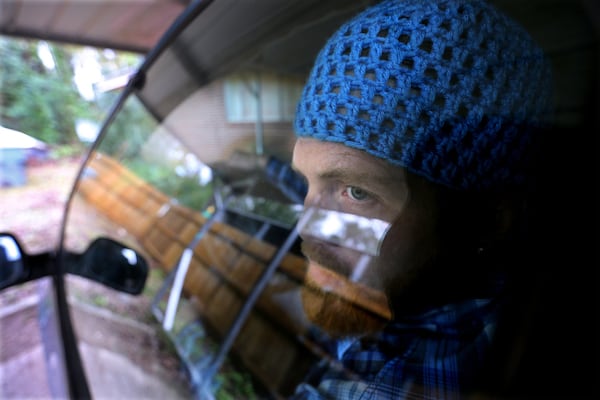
(253, 97)
(210, 215)
(282, 266)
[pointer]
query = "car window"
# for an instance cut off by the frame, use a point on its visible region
(199, 171)
(233, 208)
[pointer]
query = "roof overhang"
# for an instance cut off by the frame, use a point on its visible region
(128, 25)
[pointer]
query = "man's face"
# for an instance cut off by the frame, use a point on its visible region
(351, 181)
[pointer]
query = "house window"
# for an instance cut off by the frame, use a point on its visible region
(278, 97)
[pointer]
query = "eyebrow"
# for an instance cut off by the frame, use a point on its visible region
(345, 174)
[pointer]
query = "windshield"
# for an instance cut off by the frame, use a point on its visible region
(294, 248)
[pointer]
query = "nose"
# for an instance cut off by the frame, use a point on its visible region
(318, 199)
(313, 201)
(309, 199)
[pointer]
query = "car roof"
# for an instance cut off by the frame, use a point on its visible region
(121, 25)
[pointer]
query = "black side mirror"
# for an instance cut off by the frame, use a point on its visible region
(12, 270)
(105, 260)
(112, 264)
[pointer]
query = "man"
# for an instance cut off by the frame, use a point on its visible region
(420, 116)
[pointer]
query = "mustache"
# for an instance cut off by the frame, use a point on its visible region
(325, 255)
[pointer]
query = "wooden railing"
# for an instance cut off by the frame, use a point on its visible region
(225, 265)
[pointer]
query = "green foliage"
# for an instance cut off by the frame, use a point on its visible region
(232, 381)
(235, 385)
(127, 137)
(154, 281)
(273, 210)
(39, 101)
(129, 130)
(185, 189)
(100, 300)
(44, 101)
(67, 150)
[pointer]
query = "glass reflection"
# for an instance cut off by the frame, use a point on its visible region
(343, 229)
(129, 256)
(10, 247)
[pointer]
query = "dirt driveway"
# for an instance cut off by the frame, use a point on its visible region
(33, 212)
(123, 358)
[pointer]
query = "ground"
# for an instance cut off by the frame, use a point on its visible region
(123, 357)
(33, 212)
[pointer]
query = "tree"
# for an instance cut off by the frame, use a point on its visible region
(35, 99)
(41, 98)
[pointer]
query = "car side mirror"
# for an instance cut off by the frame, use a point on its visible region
(12, 270)
(111, 263)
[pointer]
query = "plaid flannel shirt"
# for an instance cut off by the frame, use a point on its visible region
(434, 355)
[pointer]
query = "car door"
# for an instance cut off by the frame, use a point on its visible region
(192, 170)
(209, 198)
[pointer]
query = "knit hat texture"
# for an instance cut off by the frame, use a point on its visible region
(451, 90)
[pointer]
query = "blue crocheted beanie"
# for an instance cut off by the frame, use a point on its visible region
(451, 90)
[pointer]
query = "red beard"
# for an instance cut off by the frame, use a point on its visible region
(340, 307)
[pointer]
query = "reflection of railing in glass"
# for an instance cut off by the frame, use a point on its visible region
(348, 230)
(280, 214)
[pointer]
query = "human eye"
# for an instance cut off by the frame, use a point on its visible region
(356, 193)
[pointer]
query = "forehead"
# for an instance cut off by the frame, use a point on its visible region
(315, 158)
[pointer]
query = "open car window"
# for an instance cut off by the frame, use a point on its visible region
(217, 224)
(194, 171)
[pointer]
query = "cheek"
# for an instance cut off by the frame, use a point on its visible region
(410, 245)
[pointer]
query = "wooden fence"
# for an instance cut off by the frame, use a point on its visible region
(226, 264)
